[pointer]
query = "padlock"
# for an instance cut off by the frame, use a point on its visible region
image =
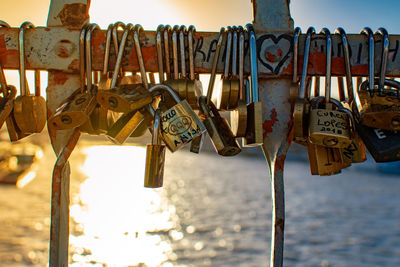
(99, 118)
(254, 130)
(29, 110)
(381, 110)
(328, 126)
(129, 122)
(355, 152)
(325, 160)
(179, 123)
(238, 116)
(218, 129)
(196, 144)
(155, 156)
(234, 78)
(126, 97)
(223, 100)
(9, 93)
(75, 110)
(294, 87)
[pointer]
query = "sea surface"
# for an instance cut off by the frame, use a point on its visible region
(212, 211)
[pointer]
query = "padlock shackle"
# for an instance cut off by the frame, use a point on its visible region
(116, 26)
(82, 61)
(88, 48)
(234, 50)
(136, 33)
(328, 54)
(166, 33)
(156, 140)
(241, 63)
(307, 45)
(384, 57)
(175, 51)
(228, 50)
(160, 56)
(346, 54)
(3, 81)
(21, 50)
(191, 33)
(203, 106)
(253, 62)
(214, 65)
(162, 87)
(107, 49)
(296, 34)
(121, 49)
(182, 32)
(371, 65)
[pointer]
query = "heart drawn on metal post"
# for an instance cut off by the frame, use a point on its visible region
(273, 51)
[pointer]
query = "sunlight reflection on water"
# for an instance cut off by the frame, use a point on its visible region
(118, 219)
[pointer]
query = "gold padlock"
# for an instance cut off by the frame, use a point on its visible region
(29, 110)
(155, 156)
(7, 100)
(239, 114)
(180, 123)
(325, 160)
(328, 127)
(301, 104)
(218, 129)
(355, 152)
(75, 110)
(128, 123)
(254, 130)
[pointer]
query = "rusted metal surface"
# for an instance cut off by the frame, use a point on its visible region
(274, 53)
(56, 48)
(59, 229)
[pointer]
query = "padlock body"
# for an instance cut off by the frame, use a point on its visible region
(155, 161)
(380, 111)
(6, 106)
(329, 128)
(223, 99)
(327, 160)
(191, 94)
(355, 152)
(124, 126)
(300, 121)
(179, 86)
(234, 93)
(221, 136)
(180, 124)
(197, 143)
(30, 113)
(238, 120)
(384, 145)
(124, 98)
(254, 130)
(73, 112)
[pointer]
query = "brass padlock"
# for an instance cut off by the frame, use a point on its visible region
(218, 129)
(180, 123)
(222, 101)
(127, 124)
(75, 110)
(254, 130)
(155, 156)
(234, 78)
(7, 100)
(99, 118)
(301, 104)
(239, 114)
(355, 152)
(328, 126)
(29, 110)
(127, 97)
(325, 160)
(294, 87)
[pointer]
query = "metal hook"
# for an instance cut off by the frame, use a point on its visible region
(385, 53)
(371, 71)
(159, 33)
(182, 32)
(328, 72)
(88, 49)
(21, 46)
(138, 28)
(307, 45)
(296, 35)
(167, 32)
(191, 32)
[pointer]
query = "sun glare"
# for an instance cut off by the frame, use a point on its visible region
(118, 221)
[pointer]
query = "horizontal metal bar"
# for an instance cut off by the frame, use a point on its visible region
(58, 49)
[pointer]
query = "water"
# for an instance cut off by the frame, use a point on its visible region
(212, 211)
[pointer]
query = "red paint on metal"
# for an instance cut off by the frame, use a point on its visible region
(73, 15)
(60, 78)
(268, 124)
(74, 65)
(280, 162)
(271, 57)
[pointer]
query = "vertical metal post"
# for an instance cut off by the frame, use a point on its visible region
(70, 14)
(273, 17)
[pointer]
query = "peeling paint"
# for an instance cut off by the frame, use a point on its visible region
(73, 15)
(268, 124)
